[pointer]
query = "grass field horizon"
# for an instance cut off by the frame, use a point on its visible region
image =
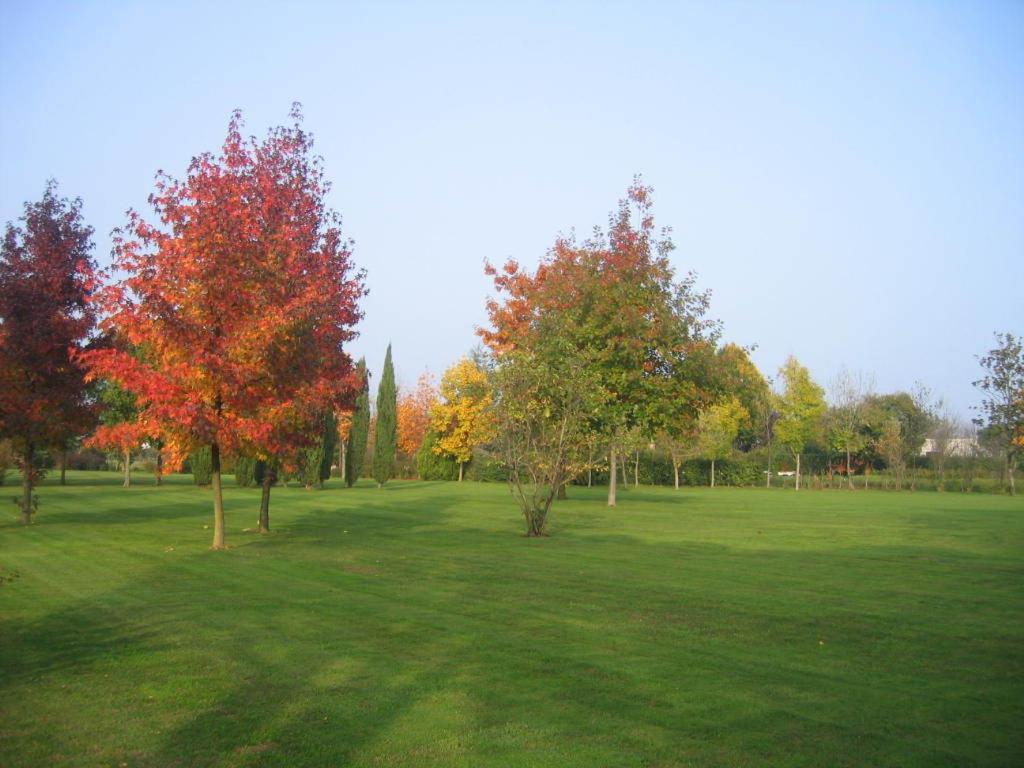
(416, 626)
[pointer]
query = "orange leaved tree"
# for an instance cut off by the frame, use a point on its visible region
(620, 312)
(243, 294)
(414, 414)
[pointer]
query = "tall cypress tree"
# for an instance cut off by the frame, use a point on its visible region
(312, 457)
(358, 433)
(201, 461)
(386, 438)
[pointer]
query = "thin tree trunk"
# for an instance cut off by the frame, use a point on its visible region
(561, 492)
(712, 473)
(218, 498)
(127, 469)
(675, 471)
(636, 470)
(269, 475)
(159, 475)
(1009, 473)
(849, 471)
(341, 459)
(26, 486)
(460, 471)
(768, 474)
(63, 466)
(622, 468)
(611, 478)
(798, 472)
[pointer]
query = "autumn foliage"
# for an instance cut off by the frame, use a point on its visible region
(414, 414)
(462, 416)
(46, 280)
(614, 303)
(243, 294)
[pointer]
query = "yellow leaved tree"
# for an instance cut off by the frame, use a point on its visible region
(462, 416)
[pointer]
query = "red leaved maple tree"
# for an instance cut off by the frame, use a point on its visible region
(46, 278)
(242, 296)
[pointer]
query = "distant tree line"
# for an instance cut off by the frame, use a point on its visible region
(217, 344)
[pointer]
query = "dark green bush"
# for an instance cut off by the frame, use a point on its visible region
(201, 463)
(430, 466)
(485, 468)
(245, 472)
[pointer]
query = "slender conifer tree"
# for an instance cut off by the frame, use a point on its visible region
(386, 437)
(359, 431)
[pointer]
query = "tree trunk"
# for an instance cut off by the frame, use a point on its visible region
(622, 468)
(636, 470)
(849, 471)
(460, 471)
(535, 524)
(218, 498)
(127, 469)
(63, 466)
(159, 475)
(675, 471)
(561, 492)
(26, 486)
(712, 473)
(341, 459)
(269, 475)
(611, 478)
(1009, 473)
(798, 472)
(768, 474)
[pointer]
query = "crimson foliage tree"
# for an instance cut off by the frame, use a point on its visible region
(46, 279)
(243, 294)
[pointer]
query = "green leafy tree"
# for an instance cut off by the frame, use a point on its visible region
(736, 376)
(386, 434)
(801, 408)
(717, 430)
(546, 397)
(1002, 406)
(890, 446)
(913, 422)
(118, 430)
(622, 310)
(359, 431)
(847, 416)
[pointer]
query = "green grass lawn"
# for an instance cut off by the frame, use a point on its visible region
(416, 626)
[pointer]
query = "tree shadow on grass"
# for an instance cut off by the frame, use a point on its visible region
(304, 711)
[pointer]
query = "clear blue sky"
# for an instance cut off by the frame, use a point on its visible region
(848, 178)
